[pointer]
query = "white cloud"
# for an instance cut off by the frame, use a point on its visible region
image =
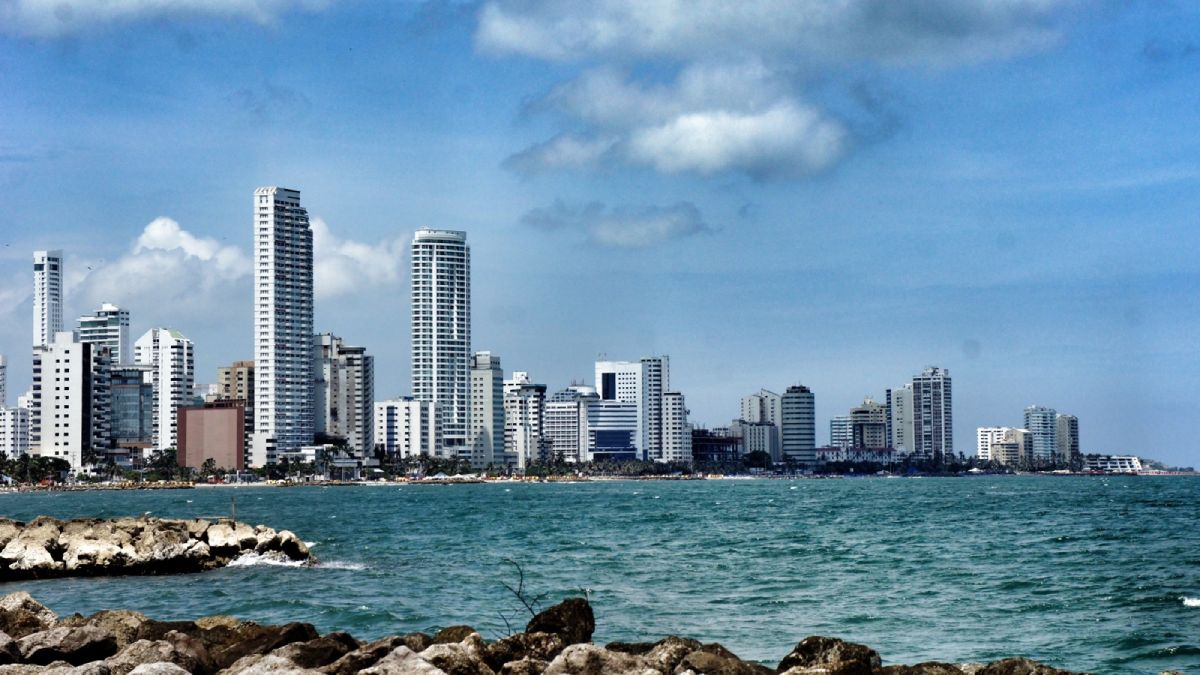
(342, 266)
(54, 18)
(622, 227)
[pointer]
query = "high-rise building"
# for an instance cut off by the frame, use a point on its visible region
(524, 421)
(1066, 436)
(172, 374)
(761, 407)
(612, 431)
(985, 438)
(676, 432)
(235, 382)
(405, 427)
(108, 327)
(344, 392)
(900, 419)
(657, 373)
(487, 410)
(566, 428)
(132, 411)
(868, 425)
(14, 432)
(3, 381)
(441, 331)
(283, 325)
(759, 437)
(642, 383)
(933, 414)
(70, 410)
(1042, 424)
(47, 296)
(799, 425)
(840, 434)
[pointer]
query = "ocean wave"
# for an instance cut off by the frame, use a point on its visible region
(270, 559)
(1191, 602)
(341, 565)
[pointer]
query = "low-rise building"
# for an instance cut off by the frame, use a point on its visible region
(1112, 463)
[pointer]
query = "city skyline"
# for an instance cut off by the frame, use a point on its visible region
(1016, 205)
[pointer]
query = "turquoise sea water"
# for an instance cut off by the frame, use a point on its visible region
(1085, 573)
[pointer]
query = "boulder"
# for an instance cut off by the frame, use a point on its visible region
(635, 648)
(35, 549)
(537, 646)
(590, 659)
(75, 645)
(255, 664)
(668, 652)
(829, 656)
(712, 663)
(252, 638)
(191, 657)
(292, 546)
(229, 538)
(1021, 666)
(64, 668)
(453, 634)
(9, 528)
(368, 655)
(161, 668)
(525, 666)
(462, 658)
(21, 615)
(9, 651)
(572, 620)
(320, 652)
(123, 625)
(927, 668)
(403, 661)
(196, 528)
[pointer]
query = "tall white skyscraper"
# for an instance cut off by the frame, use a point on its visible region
(900, 426)
(441, 331)
(69, 413)
(676, 432)
(283, 325)
(47, 296)
(3, 381)
(642, 383)
(172, 374)
(108, 327)
(799, 424)
(344, 392)
(524, 421)
(1042, 424)
(487, 410)
(933, 414)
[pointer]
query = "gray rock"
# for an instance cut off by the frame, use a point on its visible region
(525, 666)
(668, 652)
(537, 646)
(76, 646)
(255, 664)
(21, 615)
(712, 663)
(228, 537)
(161, 668)
(320, 652)
(927, 668)
(572, 620)
(829, 656)
(462, 658)
(403, 661)
(9, 651)
(122, 624)
(589, 659)
(453, 634)
(368, 655)
(1021, 666)
(9, 528)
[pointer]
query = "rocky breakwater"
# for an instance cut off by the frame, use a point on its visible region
(47, 547)
(555, 642)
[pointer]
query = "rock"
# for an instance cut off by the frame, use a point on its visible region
(319, 652)
(589, 659)
(462, 658)
(64, 668)
(635, 648)
(1021, 666)
(254, 664)
(668, 652)
(192, 656)
(21, 615)
(161, 668)
(35, 549)
(572, 620)
(453, 634)
(537, 646)
(403, 661)
(927, 668)
(835, 657)
(252, 638)
(525, 666)
(9, 651)
(228, 537)
(9, 528)
(196, 528)
(292, 546)
(714, 663)
(367, 655)
(123, 625)
(76, 646)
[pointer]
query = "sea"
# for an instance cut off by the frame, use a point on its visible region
(1098, 574)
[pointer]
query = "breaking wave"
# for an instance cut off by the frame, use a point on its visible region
(1191, 602)
(271, 558)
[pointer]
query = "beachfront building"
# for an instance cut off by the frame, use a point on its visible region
(1066, 439)
(213, 431)
(758, 437)
(344, 393)
(1042, 423)
(47, 296)
(799, 425)
(169, 355)
(487, 410)
(642, 383)
(868, 425)
(108, 327)
(840, 435)
(933, 414)
(676, 432)
(283, 325)
(900, 419)
(14, 432)
(524, 421)
(70, 410)
(566, 428)
(406, 427)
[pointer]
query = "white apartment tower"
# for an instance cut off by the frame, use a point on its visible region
(900, 424)
(3, 381)
(344, 392)
(676, 432)
(69, 410)
(405, 427)
(762, 407)
(487, 410)
(566, 428)
(799, 425)
(1042, 424)
(172, 373)
(985, 438)
(524, 420)
(283, 325)
(642, 383)
(441, 331)
(933, 418)
(108, 327)
(14, 432)
(47, 296)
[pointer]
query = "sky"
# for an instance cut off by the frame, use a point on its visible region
(770, 192)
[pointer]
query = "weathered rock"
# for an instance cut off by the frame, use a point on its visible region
(76, 646)
(21, 615)
(122, 624)
(9, 651)
(64, 668)
(34, 550)
(525, 666)
(927, 668)
(452, 634)
(572, 620)
(9, 528)
(292, 546)
(713, 663)
(589, 659)
(320, 652)
(254, 664)
(161, 668)
(403, 661)
(367, 655)
(256, 639)
(1021, 666)
(181, 651)
(462, 658)
(835, 657)
(669, 651)
(635, 648)
(228, 537)
(538, 646)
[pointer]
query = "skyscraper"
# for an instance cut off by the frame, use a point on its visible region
(900, 422)
(868, 425)
(283, 325)
(47, 296)
(676, 432)
(487, 410)
(799, 423)
(933, 420)
(69, 416)
(441, 331)
(1042, 424)
(108, 327)
(344, 392)
(525, 420)
(642, 383)
(1066, 436)
(840, 435)
(172, 373)
(3, 382)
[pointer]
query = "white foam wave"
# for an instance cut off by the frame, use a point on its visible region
(341, 565)
(310, 544)
(1191, 602)
(270, 559)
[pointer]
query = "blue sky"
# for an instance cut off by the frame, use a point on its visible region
(837, 194)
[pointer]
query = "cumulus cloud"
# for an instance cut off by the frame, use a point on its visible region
(621, 227)
(342, 266)
(735, 102)
(55, 18)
